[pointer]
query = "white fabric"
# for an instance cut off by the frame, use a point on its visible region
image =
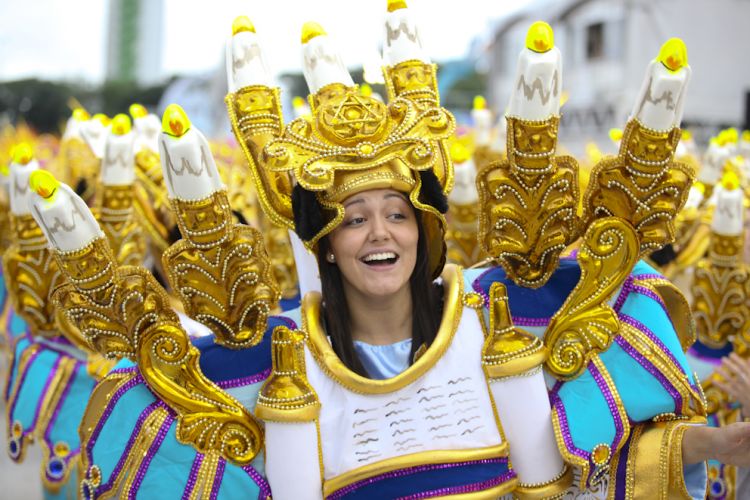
(292, 461)
(95, 134)
(189, 169)
(118, 166)
(322, 64)
(401, 41)
(306, 264)
(482, 119)
(147, 130)
(661, 99)
(66, 221)
(713, 166)
(523, 406)
(21, 196)
(245, 62)
(536, 92)
(448, 408)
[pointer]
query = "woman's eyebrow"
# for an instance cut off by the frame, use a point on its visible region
(352, 202)
(394, 195)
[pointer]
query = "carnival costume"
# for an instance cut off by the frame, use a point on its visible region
(471, 416)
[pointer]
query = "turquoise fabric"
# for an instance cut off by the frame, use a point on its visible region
(589, 417)
(30, 393)
(650, 313)
(384, 361)
(169, 470)
(16, 326)
(116, 431)
(641, 394)
(65, 426)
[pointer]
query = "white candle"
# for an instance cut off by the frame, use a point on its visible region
(728, 214)
(63, 216)
(662, 97)
(402, 41)
(189, 169)
(482, 118)
(146, 127)
(118, 167)
(464, 190)
(95, 132)
(21, 167)
(538, 82)
(245, 60)
(321, 62)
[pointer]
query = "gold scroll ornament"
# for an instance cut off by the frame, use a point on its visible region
(123, 312)
(642, 185)
(528, 203)
(221, 271)
(119, 222)
(586, 324)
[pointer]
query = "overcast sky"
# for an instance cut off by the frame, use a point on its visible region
(64, 39)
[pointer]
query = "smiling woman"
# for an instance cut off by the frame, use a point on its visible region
(376, 283)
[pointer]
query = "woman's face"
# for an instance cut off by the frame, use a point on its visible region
(375, 246)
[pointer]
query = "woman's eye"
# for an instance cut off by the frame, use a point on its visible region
(355, 221)
(397, 216)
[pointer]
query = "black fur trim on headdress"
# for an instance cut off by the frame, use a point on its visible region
(431, 192)
(308, 214)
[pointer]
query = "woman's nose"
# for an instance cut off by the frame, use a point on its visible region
(379, 229)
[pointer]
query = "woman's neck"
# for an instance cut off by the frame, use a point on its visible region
(381, 320)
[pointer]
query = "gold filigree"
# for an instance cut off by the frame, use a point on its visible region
(117, 221)
(31, 274)
(585, 324)
(508, 351)
(150, 199)
(287, 396)
(283, 266)
(528, 203)
(642, 185)
(221, 271)
(719, 289)
(123, 312)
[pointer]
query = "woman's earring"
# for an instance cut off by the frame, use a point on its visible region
(331, 258)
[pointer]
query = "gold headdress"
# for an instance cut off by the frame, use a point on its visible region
(350, 142)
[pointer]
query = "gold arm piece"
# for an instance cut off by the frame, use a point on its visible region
(586, 324)
(508, 350)
(31, 274)
(118, 222)
(287, 396)
(221, 272)
(123, 312)
(642, 185)
(150, 199)
(255, 114)
(528, 203)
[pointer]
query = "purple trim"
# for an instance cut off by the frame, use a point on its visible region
(218, 478)
(422, 468)
(127, 369)
(9, 374)
(609, 396)
(289, 322)
(622, 469)
(155, 445)
(55, 414)
(478, 288)
(263, 486)
(21, 380)
(562, 418)
(624, 292)
(649, 276)
(645, 363)
(653, 296)
(193, 477)
(47, 384)
(469, 488)
(123, 457)
(243, 381)
(521, 321)
(644, 329)
(138, 379)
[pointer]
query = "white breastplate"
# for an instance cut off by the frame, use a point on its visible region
(447, 408)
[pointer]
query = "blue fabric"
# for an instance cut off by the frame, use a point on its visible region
(169, 470)
(542, 302)
(221, 363)
(65, 426)
(31, 392)
(588, 414)
(384, 361)
(696, 479)
(429, 480)
(709, 352)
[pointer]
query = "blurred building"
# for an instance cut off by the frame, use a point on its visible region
(134, 41)
(606, 46)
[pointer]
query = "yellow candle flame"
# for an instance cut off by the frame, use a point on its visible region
(310, 30)
(175, 121)
(44, 184)
(673, 54)
(394, 5)
(22, 154)
(540, 37)
(242, 23)
(121, 124)
(138, 110)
